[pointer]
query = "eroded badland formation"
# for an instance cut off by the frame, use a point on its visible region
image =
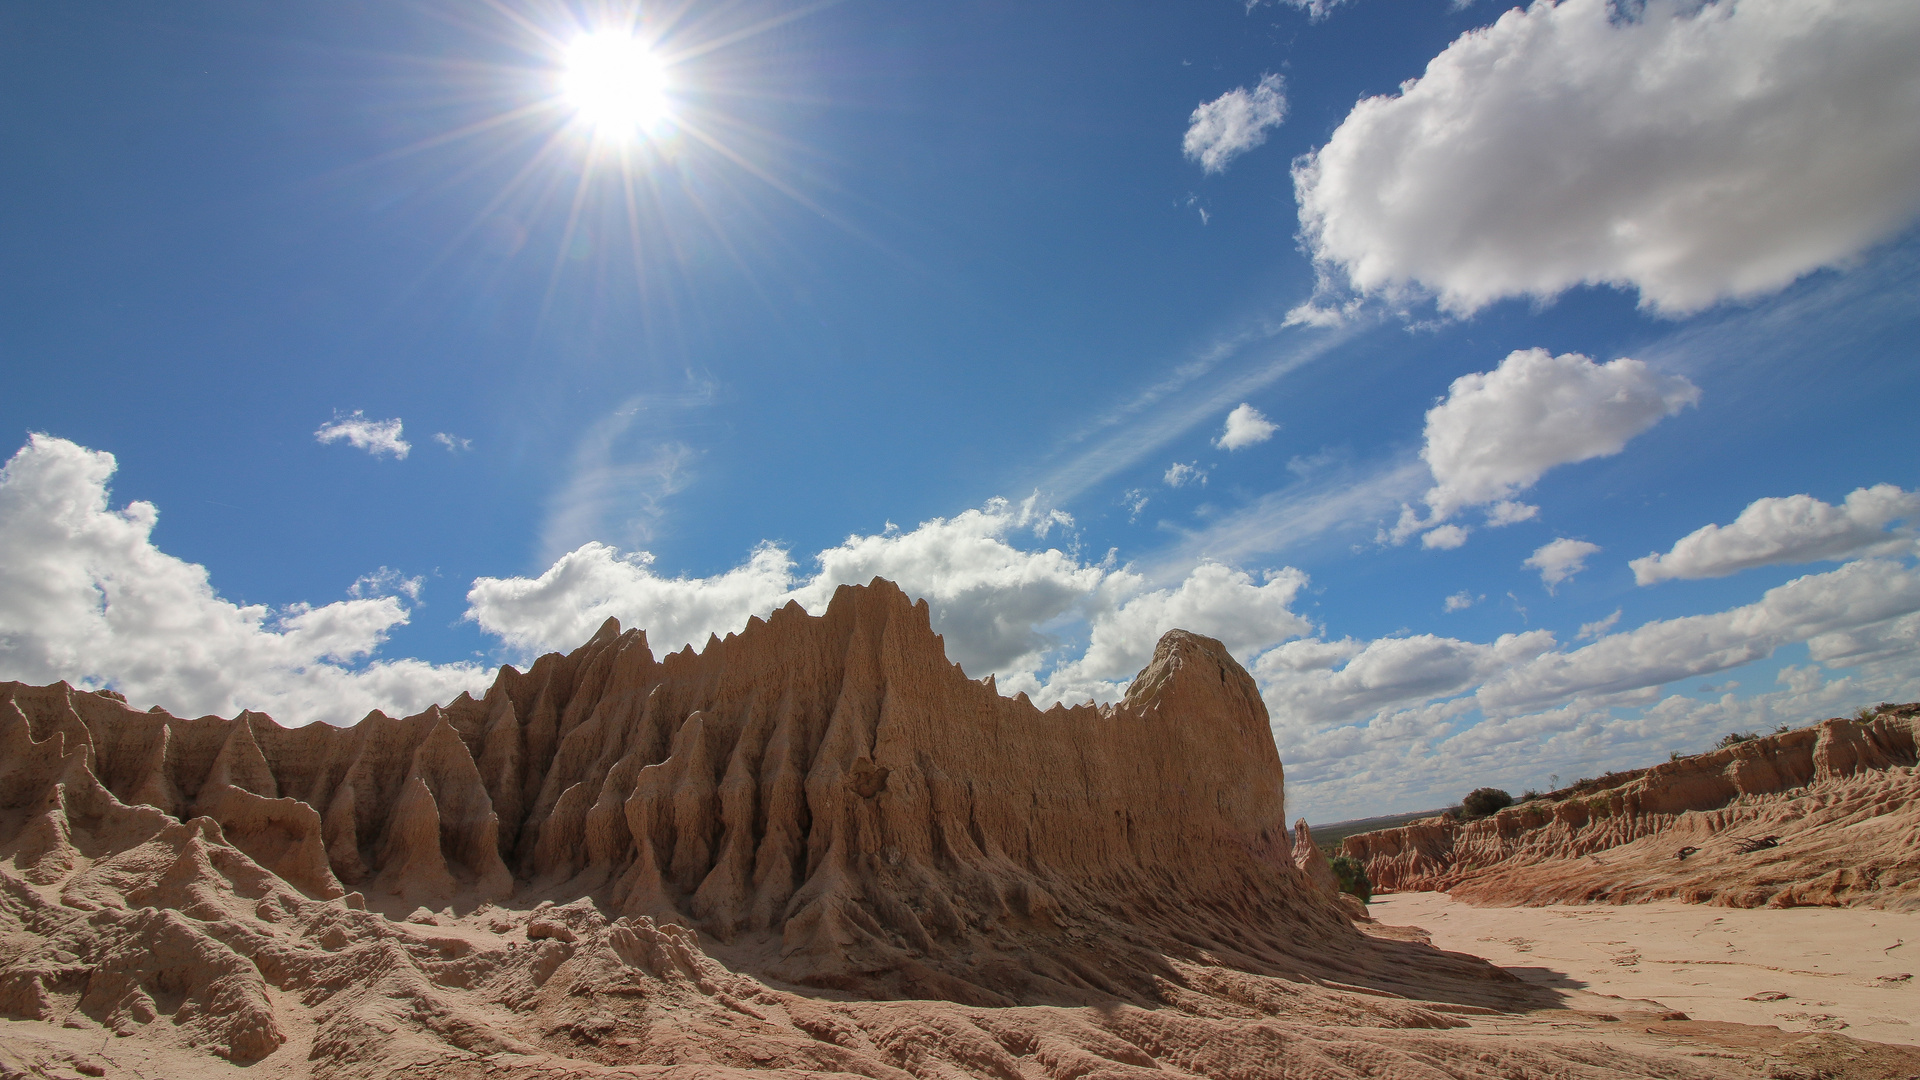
(813, 847)
(1827, 815)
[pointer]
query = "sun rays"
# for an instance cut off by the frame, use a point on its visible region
(625, 144)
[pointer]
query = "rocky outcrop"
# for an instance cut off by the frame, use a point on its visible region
(1821, 815)
(812, 846)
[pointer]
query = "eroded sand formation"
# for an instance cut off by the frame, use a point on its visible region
(1827, 815)
(815, 846)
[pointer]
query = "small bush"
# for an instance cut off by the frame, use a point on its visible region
(1351, 876)
(1483, 802)
(1734, 738)
(1531, 795)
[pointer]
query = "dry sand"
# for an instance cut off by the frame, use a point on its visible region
(1834, 968)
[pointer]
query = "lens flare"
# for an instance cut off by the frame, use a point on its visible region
(615, 84)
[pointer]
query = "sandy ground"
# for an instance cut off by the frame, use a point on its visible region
(1800, 969)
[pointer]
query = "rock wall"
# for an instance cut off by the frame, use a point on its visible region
(724, 864)
(832, 783)
(1821, 815)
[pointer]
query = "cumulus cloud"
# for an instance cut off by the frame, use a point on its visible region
(1445, 538)
(1497, 432)
(1558, 560)
(1462, 600)
(1126, 619)
(1235, 122)
(1180, 474)
(986, 594)
(1858, 594)
(1246, 426)
(1338, 682)
(376, 437)
(86, 597)
(454, 443)
(565, 604)
(1795, 529)
(1692, 151)
(1402, 718)
(999, 605)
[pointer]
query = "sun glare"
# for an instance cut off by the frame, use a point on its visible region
(615, 84)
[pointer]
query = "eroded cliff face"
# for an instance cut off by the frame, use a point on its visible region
(831, 781)
(1823, 815)
(814, 846)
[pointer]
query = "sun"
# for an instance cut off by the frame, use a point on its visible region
(616, 85)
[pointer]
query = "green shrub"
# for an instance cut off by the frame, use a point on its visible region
(1351, 876)
(1483, 802)
(1734, 738)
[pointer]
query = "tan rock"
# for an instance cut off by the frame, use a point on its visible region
(1822, 815)
(814, 846)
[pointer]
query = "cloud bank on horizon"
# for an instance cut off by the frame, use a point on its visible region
(85, 595)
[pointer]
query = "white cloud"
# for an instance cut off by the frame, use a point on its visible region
(1180, 474)
(1135, 500)
(1411, 722)
(1462, 600)
(1445, 538)
(1510, 513)
(86, 597)
(564, 605)
(376, 437)
(1127, 620)
(386, 582)
(1001, 608)
(1246, 426)
(1858, 594)
(1599, 627)
(1892, 639)
(1338, 682)
(1497, 432)
(987, 596)
(1692, 151)
(1316, 9)
(1235, 122)
(1558, 560)
(1795, 529)
(454, 443)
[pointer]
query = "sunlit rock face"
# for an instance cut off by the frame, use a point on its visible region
(813, 846)
(1824, 815)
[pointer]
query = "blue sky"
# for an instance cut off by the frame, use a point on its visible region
(407, 369)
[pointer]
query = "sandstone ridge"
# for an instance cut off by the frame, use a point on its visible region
(814, 846)
(1823, 815)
